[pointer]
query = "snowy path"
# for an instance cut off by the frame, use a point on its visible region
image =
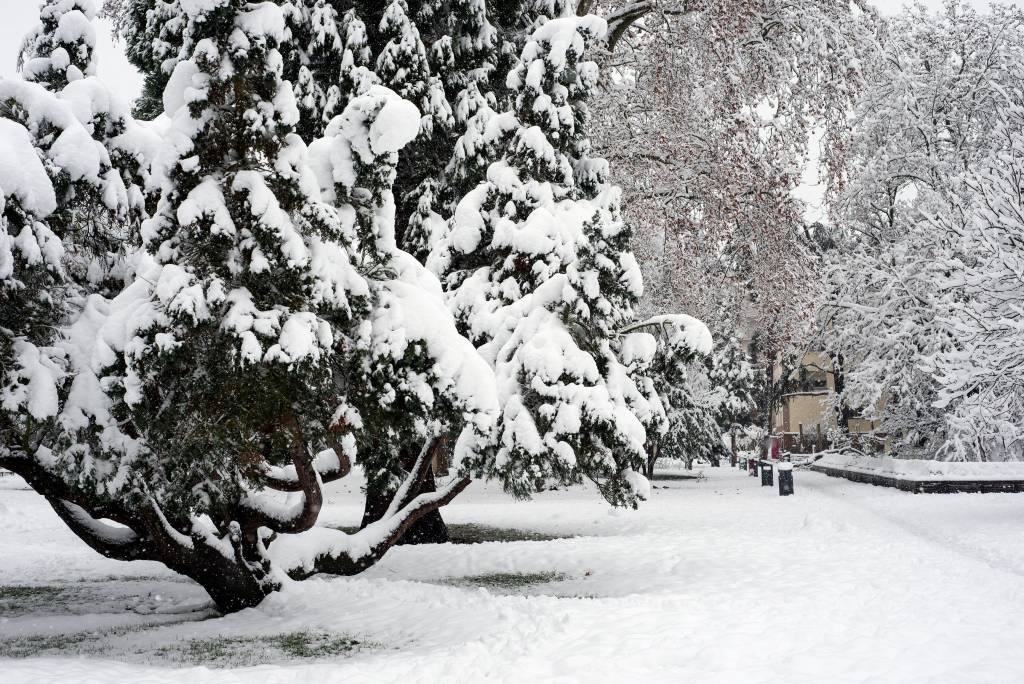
(714, 581)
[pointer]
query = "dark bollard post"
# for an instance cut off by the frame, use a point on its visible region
(751, 467)
(785, 479)
(766, 474)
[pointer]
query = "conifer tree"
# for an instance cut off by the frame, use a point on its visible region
(402, 65)
(666, 357)
(479, 89)
(274, 333)
(154, 36)
(311, 102)
(105, 213)
(297, 39)
(733, 376)
(540, 277)
(31, 270)
(463, 58)
(60, 50)
(53, 176)
(465, 52)
(326, 53)
(107, 216)
(354, 74)
(30, 274)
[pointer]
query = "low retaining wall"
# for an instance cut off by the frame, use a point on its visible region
(925, 486)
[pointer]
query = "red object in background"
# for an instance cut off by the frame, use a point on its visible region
(774, 447)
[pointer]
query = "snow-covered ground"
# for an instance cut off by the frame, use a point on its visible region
(714, 580)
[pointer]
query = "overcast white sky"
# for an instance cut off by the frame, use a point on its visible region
(18, 16)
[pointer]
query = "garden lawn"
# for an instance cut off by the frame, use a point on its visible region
(714, 580)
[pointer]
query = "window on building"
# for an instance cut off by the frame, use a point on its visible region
(813, 379)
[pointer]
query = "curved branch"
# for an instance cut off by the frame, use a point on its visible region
(52, 486)
(330, 464)
(413, 482)
(258, 512)
(620, 20)
(119, 543)
(361, 550)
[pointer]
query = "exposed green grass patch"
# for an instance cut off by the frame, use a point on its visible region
(472, 533)
(255, 650)
(72, 643)
(309, 645)
(671, 477)
(176, 579)
(119, 643)
(505, 581)
(55, 644)
(23, 592)
(16, 599)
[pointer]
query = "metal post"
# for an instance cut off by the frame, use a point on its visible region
(751, 467)
(766, 474)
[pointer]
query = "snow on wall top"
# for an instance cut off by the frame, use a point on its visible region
(917, 469)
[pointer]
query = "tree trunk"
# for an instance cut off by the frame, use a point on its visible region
(839, 377)
(652, 457)
(239, 576)
(430, 529)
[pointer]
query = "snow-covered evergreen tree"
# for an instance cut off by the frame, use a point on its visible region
(732, 375)
(31, 273)
(552, 84)
(60, 49)
(354, 73)
(317, 103)
(539, 278)
(402, 65)
(58, 197)
(272, 334)
(154, 36)
(465, 51)
(329, 61)
(311, 102)
(552, 96)
(105, 215)
(667, 358)
(463, 56)
(297, 39)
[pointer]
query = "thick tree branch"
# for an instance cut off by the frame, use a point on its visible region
(119, 543)
(331, 465)
(620, 20)
(259, 511)
(355, 553)
(53, 486)
(412, 484)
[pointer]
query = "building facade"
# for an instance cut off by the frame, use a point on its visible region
(805, 417)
